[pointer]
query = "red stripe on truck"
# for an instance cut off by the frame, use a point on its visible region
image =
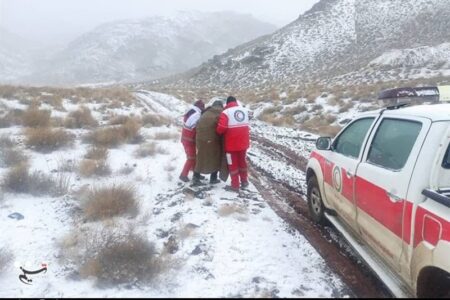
(430, 227)
(375, 202)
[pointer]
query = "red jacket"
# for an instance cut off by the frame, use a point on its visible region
(234, 125)
(189, 125)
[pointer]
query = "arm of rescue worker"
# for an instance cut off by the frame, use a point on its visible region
(222, 125)
(192, 121)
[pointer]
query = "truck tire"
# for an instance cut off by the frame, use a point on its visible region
(315, 203)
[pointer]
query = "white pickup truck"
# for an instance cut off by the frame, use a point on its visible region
(384, 183)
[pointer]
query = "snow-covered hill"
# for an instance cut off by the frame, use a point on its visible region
(13, 59)
(136, 50)
(334, 38)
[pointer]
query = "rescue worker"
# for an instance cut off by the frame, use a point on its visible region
(210, 154)
(234, 126)
(188, 139)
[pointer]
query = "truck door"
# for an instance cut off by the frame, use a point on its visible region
(340, 168)
(382, 181)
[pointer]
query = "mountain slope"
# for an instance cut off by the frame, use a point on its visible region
(13, 60)
(336, 37)
(150, 48)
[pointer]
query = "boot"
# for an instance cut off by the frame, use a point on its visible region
(196, 179)
(184, 178)
(199, 176)
(213, 178)
(231, 189)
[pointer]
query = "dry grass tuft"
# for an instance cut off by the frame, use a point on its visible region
(167, 135)
(35, 117)
(149, 149)
(19, 180)
(46, 139)
(97, 153)
(11, 156)
(108, 202)
(118, 120)
(115, 136)
(115, 257)
(154, 120)
(92, 167)
(80, 118)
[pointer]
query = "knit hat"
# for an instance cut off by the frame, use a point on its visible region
(231, 99)
(200, 104)
(218, 103)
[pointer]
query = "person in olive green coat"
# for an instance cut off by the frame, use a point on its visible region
(210, 155)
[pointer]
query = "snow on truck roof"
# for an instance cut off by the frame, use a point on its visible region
(435, 112)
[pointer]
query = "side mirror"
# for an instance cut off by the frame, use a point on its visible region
(323, 143)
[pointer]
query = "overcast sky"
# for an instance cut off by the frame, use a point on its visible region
(48, 20)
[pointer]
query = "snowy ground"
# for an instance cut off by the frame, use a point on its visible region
(226, 245)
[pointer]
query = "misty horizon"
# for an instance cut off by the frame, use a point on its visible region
(49, 23)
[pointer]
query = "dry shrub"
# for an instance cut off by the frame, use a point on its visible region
(80, 118)
(316, 107)
(114, 257)
(118, 120)
(330, 118)
(11, 156)
(54, 100)
(13, 117)
(131, 129)
(91, 167)
(62, 184)
(166, 135)
(35, 117)
(287, 121)
(115, 136)
(126, 261)
(106, 137)
(154, 120)
(46, 139)
(149, 149)
(19, 180)
(97, 153)
(8, 91)
(57, 122)
(229, 209)
(295, 110)
(321, 125)
(346, 107)
(107, 202)
(271, 110)
(330, 131)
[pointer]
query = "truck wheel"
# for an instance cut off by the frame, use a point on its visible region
(315, 203)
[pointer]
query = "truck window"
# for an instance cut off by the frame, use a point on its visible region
(350, 141)
(446, 162)
(393, 143)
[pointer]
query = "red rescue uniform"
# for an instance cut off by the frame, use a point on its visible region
(188, 138)
(234, 126)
